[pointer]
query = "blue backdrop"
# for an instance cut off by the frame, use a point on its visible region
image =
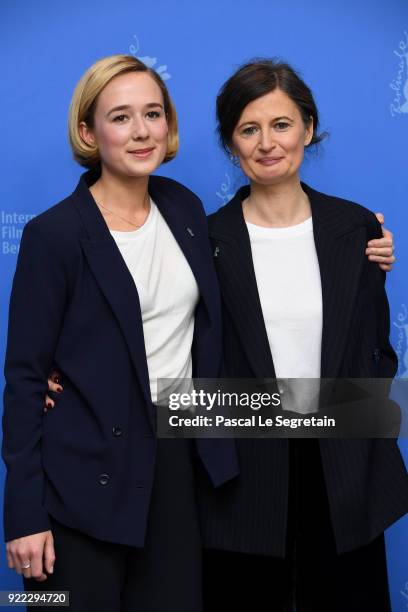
(354, 55)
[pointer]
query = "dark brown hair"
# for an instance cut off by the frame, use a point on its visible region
(255, 79)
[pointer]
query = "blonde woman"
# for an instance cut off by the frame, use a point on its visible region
(114, 283)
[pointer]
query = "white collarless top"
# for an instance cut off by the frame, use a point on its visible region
(288, 277)
(168, 296)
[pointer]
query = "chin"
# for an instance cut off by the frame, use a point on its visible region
(142, 168)
(269, 179)
(272, 178)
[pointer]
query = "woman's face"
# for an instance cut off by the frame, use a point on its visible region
(130, 126)
(270, 137)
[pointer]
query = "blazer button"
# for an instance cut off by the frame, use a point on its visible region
(117, 431)
(104, 479)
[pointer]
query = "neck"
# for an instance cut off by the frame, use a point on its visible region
(280, 205)
(125, 195)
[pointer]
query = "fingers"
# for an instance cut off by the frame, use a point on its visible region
(10, 561)
(382, 259)
(25, 555)
(49, 403)
(54, 386)
(386, 241)
(381, 243)
(382, 255)
(37, 571)
(19, 559)
(49, 554)
(26, 568)
(381, 248)
(380, 251)
(387, 233)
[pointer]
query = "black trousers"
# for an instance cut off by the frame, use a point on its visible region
(165, 575)
(312, 577)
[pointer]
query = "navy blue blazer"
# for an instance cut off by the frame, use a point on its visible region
(74, 305)
(366, 480)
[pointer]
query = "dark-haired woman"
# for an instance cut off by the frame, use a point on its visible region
(304, 521)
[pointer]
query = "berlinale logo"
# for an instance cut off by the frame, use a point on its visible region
(401, 347)
(151, 62)
(399, 85)
(225, 192)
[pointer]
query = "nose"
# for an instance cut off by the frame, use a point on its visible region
(140, 130)
(266, 142)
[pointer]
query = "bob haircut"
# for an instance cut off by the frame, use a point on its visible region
(258, 78)
(85, 97)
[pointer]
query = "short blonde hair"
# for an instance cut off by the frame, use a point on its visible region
(85, 97)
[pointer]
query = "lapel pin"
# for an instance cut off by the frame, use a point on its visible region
(190, 231)
(216, 252)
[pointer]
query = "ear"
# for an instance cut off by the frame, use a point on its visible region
(86, 134)
(309, 132)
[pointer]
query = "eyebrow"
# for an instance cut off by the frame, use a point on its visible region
(127, 106)
(274, 119)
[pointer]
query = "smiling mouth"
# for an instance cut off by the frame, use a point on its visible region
(269, 161)
(142, 152)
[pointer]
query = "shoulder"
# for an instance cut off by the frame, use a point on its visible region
(168, 186)
(58, 227)
(230, 214)
(346, 211)
(174, 195)
(61, 213)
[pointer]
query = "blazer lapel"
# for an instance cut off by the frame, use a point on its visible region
(114, 280)
(340, 246)
(233, 257)
(340, 250)
(190, 238)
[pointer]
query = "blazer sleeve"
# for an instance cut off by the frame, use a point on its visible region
(387, 360)
(36, 313)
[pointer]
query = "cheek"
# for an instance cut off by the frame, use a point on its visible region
(111, 137)
(244, 151)
(294, 146)
(160, 131)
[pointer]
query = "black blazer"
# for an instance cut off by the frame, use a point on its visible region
(366, 480)
(74, 304)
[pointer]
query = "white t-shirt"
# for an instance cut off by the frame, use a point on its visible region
(288, 277)
(168, 295)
